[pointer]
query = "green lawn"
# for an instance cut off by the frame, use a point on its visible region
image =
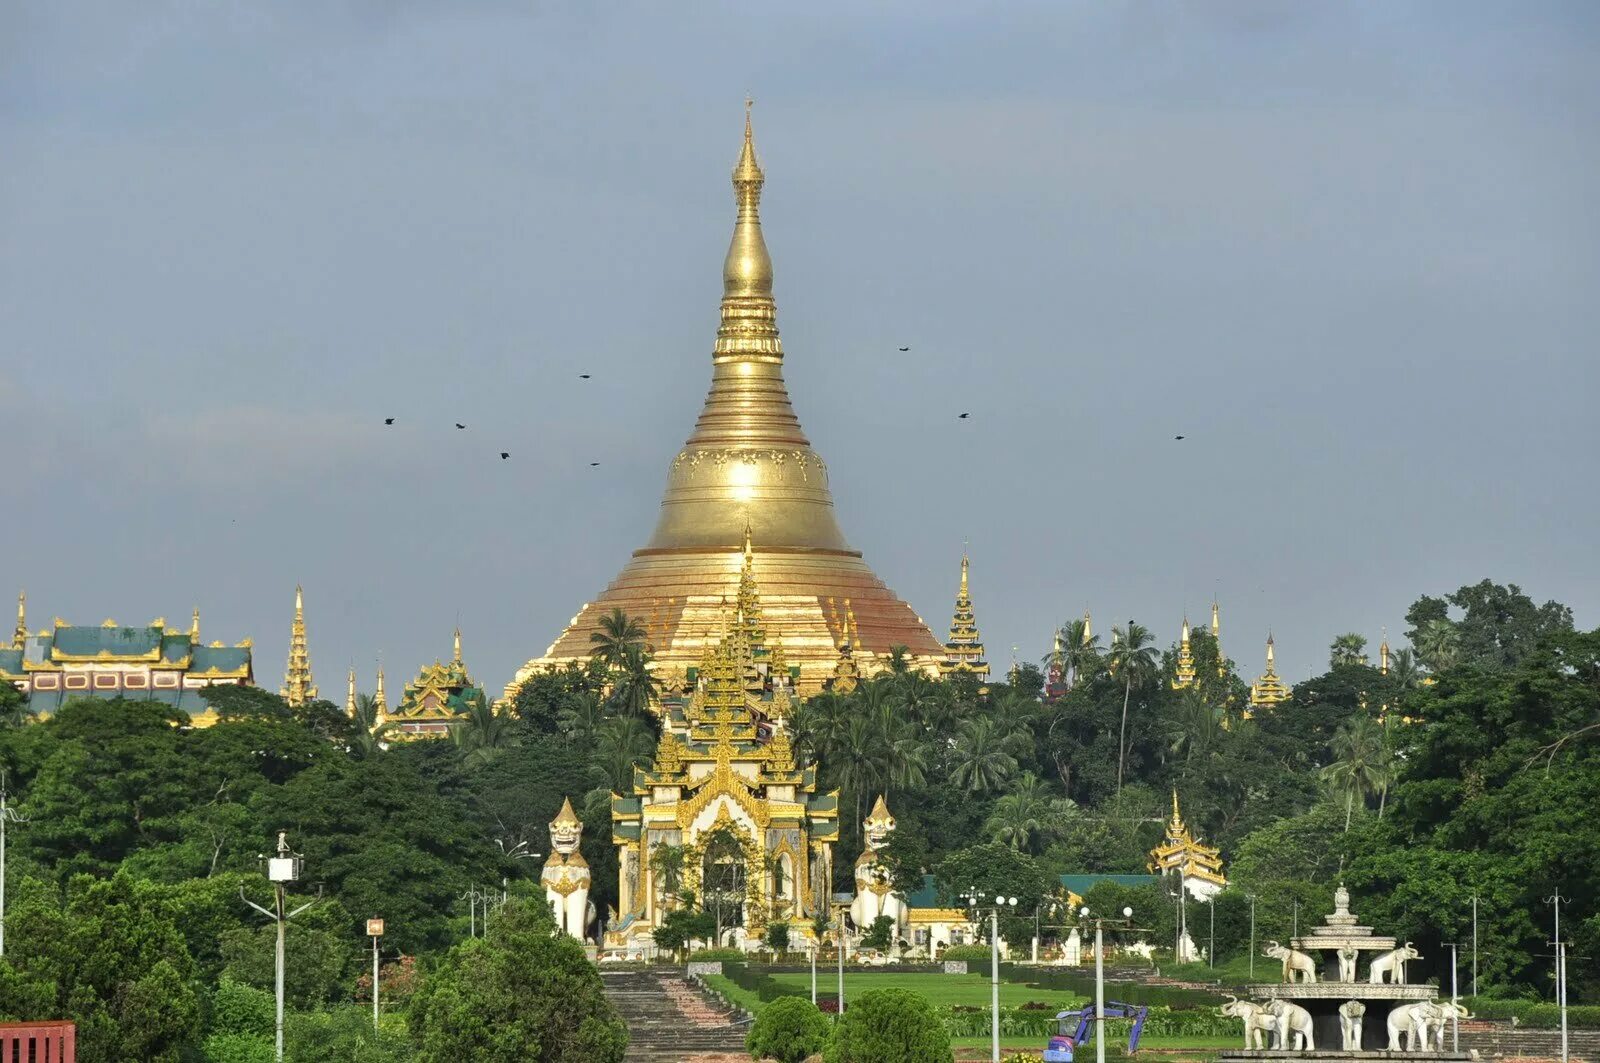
(940, 990)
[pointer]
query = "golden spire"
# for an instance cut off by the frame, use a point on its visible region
(456, 660)
(20, 637)
(1216, 637)
(964, 652)
(748, 608)
(1269, 690)
(194, 627)
(298, 687)
(777, 662)
(1088, 629)
(880, 810)
(1383, 653)
(380, 707)
(350, 695)
(1177, 817)
(1183, 674)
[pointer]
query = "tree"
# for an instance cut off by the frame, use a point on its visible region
(617, 634)
(982, 761)
(777, 937)
(996, 870)
(1347, 649)
(521, 992)
(880, 935)
(621, 746)
(891, 1026)
(634, 687)
(1438, 644)
(370, 737)
(482, 733)
(1134, 659)
(1028, 816)
(789, 1030)
(14, 708)
(1500, 626)
(666, 865)
(1359, 768)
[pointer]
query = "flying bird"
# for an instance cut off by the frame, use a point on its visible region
(504, 454)
(460, 425)
(388, 420)
(1177, 437)
(592, 464)
(905, 348)
(583, 376)
(963, 417)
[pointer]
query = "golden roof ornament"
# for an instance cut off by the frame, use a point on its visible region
(298, 686)
(194, 627)
(1183, 673)
(19, 638)
(350, 695)
(456, 658)
(1216, 637)
(1269, 690)
(381, 710)
(669, 754)
(963, 654)
(1088, 629)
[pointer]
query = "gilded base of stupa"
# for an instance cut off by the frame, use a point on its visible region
(748, 474)
(683, 599)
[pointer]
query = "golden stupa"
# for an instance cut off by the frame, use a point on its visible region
(748, 469)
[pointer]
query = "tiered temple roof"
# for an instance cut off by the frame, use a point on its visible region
(1268, 690)
(435, 701)
(298, 685)
(963, 654)
(1199, 865)
(143, 662)
(1183, 673)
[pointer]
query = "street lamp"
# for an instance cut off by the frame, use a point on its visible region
(283, 867)
(973, 897)
(375, 931)
(1100, 980)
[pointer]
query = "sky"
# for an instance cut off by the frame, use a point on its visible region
(1349, 251)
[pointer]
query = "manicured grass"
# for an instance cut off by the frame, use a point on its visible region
(744, 998)
(940, 990)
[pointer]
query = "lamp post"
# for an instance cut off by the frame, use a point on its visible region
(474, 896)
(1252, 898)
(1100, 980)
(1561, 971)
(283, 867)
(975, 911)
(7, 815)
(1474, 946)
(375, 931)
(841, 962)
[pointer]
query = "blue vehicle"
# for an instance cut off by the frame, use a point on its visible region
(1081, 1023)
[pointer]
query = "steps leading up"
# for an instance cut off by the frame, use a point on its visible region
(670, 1021)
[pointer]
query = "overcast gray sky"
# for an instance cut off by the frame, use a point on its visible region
(1351, 251)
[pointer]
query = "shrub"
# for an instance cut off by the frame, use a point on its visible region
(880, 934)
(788, 1030)
(966, 952)
(725, 955)
(237, 1008)
(890, 1026)
(777, 937)
(237, 1048)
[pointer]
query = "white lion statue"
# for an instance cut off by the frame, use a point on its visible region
(1393, 964)
(1294, 961)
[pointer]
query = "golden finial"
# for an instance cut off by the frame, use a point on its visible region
(380, 708)
(1184, 636)
(1183, 672)
(1177, 817)
(748, 314)
(1270, 655)
(298, 687)
(350, 695)
(1383, 652)
(20, 637)
(194, 627)
(1088, 629)
(456, 660)
(1216, 621)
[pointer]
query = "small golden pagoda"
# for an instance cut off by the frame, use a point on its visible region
(433, 704)
(725, 767)
(1216, 636)
(298, 686)
(1268, 690)
(1183, 673)
(963, 654)
(1198, 866)
(747, 464)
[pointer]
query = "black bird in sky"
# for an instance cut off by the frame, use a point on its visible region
(964, 416)
(388, 420)
(460, 425)
(1177, 437)
(504, 454)
(583, 376)
(905, 348)
(592, 464)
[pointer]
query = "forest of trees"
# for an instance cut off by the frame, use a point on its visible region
(1472, 768)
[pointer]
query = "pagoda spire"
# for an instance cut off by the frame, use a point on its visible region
(963, 654)
(1088, 629)
(19, 638)
(747, 612)
(298, 687)
(380, 707)
(1383, 653)
(1216, 637)
(1269, 690)
(194, 627)
(350, 695)
(456, 659)
(1183, 674)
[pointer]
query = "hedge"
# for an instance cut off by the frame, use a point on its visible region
(1534, 1013)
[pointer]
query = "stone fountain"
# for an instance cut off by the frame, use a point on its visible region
(1327, 1007)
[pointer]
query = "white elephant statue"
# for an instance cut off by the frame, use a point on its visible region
(1293, 1019)
(1351, 1013)
(1433, 1029)
(1347, 964)
(1414, 1021)
(1258, 1021)
(1393, 964)
(1294, 961)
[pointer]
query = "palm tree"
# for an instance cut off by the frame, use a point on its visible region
(1439, 644)
(482, 733)
(1134, 658)
(981, 761)
(1193, 731)
(634, 686)
(617, 632)
(666, 864)
(1028, 815)
(368, 740)
(1405, 672)
(899, 660)
(1358, 767)
(1080, 650)
(622, 744)
(1347, 649)
(580, 716)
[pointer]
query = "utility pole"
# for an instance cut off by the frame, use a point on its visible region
(1252, 898)
(1211, 946)
(974, 913)
(7, 815)
(1100, 978)
(841, 963)
(1561, 970)
(282, 868)
(1474, 946)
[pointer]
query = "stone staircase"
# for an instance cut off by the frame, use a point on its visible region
(1499, 1040)
(670, 1021)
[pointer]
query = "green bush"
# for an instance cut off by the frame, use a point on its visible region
(890, 1026)
(344, 1034)
(237, 1008)
(1535, 1013)
(237, 1048)
(966, 952)
(788, 1030)
(725, 955)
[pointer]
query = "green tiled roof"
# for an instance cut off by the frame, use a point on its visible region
(46, 702)
(174, 647)
(630, 831)
(823, 803)
(627, 806)
(119, 641)
(11, 660)
(221, 658)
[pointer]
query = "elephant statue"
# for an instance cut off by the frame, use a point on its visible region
(1257, 1021)
(1351, 1013)
(1414, 1021)
(1347, 964)
(1293, 961)
(1393, 964)
(1434, 1028)
(1292, 1018)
